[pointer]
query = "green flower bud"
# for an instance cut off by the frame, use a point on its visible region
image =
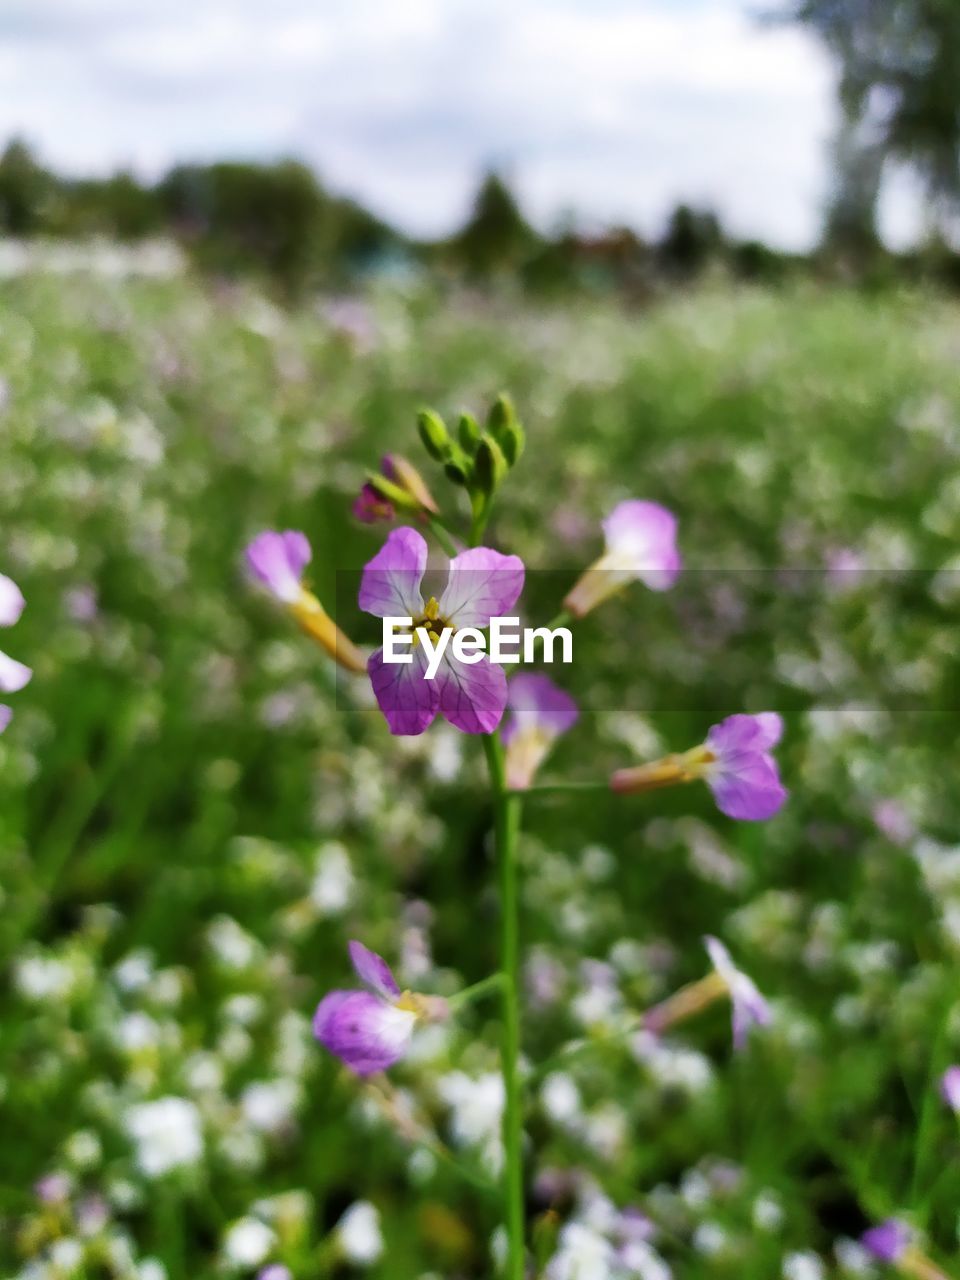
(469, 432)
(394, 493)
(490, 466)
(505, 427)
(512, 440)
(501, 414)
(434, 434)
(457, 473)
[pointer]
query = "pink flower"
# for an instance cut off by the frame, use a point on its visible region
(741, 773)
(539, 712)
(371, 1030)
(889, 1241)
(481, 584)
(641, 545)
(735, 761)
(13, 675)
(278, 561)
(750, 1009)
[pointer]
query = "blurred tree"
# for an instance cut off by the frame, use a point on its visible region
(496, 237)
(693, 237)
(241, 216)
(899, 94)
(25, 190)
(273, 218)
(117, 206)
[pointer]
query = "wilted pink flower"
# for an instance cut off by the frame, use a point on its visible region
(539, 711)
(278, 561)
(735, 761)
(481, 584)
(371, 1030)
(641, 545)
(749, 1007)
(398, 486)
(369, 507)
(950, 1088)
(13, 675)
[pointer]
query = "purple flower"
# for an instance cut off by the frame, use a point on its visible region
(481, 584)
(277, 561)
(734, 761)
(371, 1030)
(950, 1088)
(13, 675)
(641, 544)
(739, 769)
(539, 712)
(750, 1009)
(889, 1241)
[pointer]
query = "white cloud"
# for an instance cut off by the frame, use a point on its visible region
(615, 109)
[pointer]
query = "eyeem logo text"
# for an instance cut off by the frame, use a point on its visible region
(505, 643)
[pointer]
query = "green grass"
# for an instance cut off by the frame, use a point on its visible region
(186, 757)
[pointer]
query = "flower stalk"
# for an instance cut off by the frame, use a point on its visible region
(507, 813)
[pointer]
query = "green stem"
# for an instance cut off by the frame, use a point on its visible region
(560, 788)
(507, 826)
(476, 992)
(478, 522)
(443, 536)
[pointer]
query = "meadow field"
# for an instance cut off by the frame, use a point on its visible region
(197, 811)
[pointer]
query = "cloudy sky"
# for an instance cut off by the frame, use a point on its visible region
(614, 109)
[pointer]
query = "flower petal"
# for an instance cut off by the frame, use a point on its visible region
(6, 715)
(745, 733)
(535, 702)
(407, 700)
(643, 536)
(390, 587)
(373, 970)
(278, 560)
(13, 675)
(362, 1030)
(483, 584)
(747, 788)
(11, 601)
(472, 697)
(721, 959)
(750, 1009)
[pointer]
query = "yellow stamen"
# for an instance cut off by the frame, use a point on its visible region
(426, 1008)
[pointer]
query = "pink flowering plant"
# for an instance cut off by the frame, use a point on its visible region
(517, 715)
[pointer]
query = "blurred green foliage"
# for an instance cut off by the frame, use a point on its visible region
(185, 769)
(277, 225)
